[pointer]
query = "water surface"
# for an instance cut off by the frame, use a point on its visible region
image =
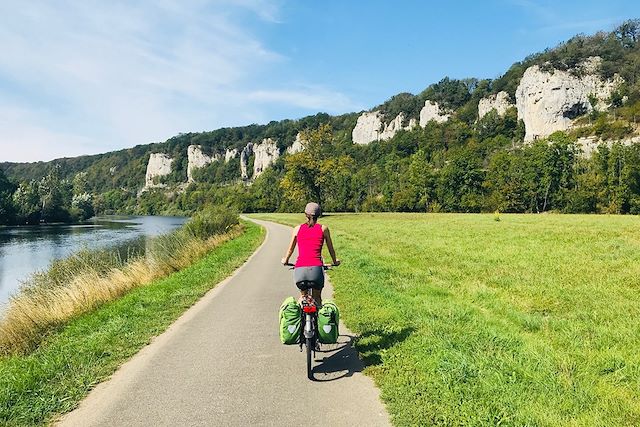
(27, 249)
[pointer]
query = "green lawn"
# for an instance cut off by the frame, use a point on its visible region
(464, 320)
(54, 378)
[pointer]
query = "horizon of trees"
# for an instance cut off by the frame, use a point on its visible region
(463, 165)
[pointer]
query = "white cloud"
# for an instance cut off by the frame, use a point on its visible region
(551, 19)
(93, 76)
(309, 97)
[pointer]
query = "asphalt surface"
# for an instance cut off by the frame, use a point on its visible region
(222, 364)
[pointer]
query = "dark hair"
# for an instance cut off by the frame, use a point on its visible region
(311, 219)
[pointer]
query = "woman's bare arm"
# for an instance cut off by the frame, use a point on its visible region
(292, 245)
(332, 252)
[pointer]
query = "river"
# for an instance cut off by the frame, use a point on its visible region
(27, 249)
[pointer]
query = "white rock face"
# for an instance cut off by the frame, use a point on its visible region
(432, 111)
(159, 165)
(370, 127)
(548, 102)
(297, 146)
(230, 154)
(590, 144)
(266, 153)
(393, 127)
(499, 102)
(367, 128)
(244, 160)
(197, 159)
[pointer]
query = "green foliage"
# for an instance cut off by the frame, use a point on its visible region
(152, 202)
(450, 93)
(317, 174)
(211, 221)
(406, 103)
(7, 208)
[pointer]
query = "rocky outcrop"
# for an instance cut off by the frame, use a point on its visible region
(549, 101)
(394, 126)
(590, 144)
(500, 102)
(266, 153)
(244, 161)
(297, 146)
(367, 128)
(159, 165)
(370, 127)
(432, 111)
(230, 154)
(197, 159)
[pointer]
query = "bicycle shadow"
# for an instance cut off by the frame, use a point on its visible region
(342, 362)
(353, 353)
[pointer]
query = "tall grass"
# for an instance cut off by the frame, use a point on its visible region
(90, 278)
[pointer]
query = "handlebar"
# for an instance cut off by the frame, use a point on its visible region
(324, 266)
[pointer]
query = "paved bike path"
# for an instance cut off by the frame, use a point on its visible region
(222, 364)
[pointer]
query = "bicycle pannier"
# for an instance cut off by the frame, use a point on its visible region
(328, 320)
(290, 321)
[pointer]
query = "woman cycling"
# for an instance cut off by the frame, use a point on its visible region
(310, 236)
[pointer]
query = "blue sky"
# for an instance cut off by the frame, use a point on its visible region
(84, 77)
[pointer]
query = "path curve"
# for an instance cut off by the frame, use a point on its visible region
(222, 364)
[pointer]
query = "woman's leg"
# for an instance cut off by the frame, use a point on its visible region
(317, 296)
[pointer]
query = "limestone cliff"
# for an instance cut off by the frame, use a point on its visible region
(297, 146)
(197, 159)
(159, 165)
(500, 102)
(266, 153)
(432, 111)
(230, 154)
(590, 144)
(369, 127)
(244, 161)
(549, 101)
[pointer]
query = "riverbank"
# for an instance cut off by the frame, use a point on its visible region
(60, 372)
(26, 250)
(465, 320)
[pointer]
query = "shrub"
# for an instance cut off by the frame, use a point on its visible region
(212, 221)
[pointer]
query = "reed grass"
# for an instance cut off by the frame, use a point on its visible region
(86, 280)
(67, 364)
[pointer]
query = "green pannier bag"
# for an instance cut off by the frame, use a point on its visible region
(328, 320)
(290, 321)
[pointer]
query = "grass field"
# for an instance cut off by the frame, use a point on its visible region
(531, 320)
(56, 376)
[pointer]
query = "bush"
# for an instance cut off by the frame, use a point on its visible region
(212, 221)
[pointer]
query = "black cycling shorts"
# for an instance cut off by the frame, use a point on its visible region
(311, 274)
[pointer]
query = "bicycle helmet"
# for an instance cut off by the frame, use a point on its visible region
(313, 209)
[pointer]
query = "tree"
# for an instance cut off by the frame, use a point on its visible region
(7, 208)
(55, 196)
(26, 200)
(317, 174)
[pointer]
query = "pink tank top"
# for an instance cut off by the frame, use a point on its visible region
(310, 241)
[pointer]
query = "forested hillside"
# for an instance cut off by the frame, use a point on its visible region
(434, 151)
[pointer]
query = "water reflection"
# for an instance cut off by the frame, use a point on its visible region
(26, 249)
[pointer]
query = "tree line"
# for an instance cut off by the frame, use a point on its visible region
(464, 165)
(49, 199)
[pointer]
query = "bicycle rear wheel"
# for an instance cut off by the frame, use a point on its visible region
(309, 345)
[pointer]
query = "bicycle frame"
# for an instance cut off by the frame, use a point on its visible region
(309, 337)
